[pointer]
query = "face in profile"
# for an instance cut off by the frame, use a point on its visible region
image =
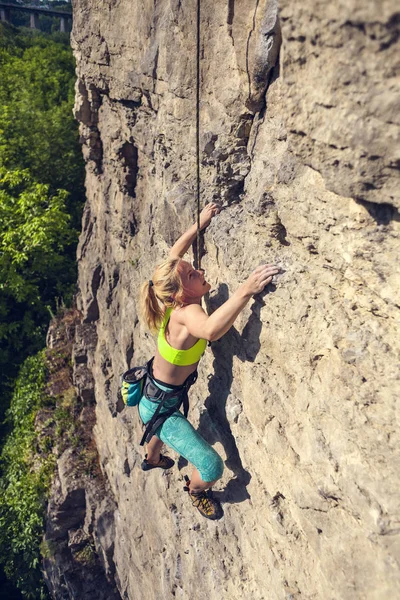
(194, 283)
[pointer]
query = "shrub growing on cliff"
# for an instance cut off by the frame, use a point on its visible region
(25, 479)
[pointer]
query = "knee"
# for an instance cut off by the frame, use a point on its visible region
(215, 467)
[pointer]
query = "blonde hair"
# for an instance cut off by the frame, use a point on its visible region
(166, 291)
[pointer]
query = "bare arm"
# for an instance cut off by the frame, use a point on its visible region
(213, 327)
(199, 324)
(183, 244)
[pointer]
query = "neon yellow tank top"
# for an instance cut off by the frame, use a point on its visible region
(183, 358)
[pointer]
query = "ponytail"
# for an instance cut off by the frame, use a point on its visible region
(150, 307)
(164, 290)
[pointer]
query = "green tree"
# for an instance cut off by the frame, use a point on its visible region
(42, 181)
(41, 201)
(36, 244)
(24, 483)
(37, 128)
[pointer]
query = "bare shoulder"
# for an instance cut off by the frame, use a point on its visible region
(195, 319)
(190, 313)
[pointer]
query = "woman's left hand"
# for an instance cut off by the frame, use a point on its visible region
(208, 212)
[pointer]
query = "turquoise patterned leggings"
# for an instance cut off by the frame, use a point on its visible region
(177, 433)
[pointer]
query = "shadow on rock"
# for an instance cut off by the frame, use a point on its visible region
(214, 425)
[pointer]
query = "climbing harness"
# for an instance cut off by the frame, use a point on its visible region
(139, 382)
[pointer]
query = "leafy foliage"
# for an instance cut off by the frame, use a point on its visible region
(44, 421)
(36, 242)
(41, 201)
(25, 480)
(37, 128)
(41, 191)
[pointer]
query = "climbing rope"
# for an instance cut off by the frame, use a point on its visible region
(198, 240)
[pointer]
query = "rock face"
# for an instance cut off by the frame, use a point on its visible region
(299, 121)
(78, 543)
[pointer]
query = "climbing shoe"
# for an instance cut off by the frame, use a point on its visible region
(164, 463)
(207, 506)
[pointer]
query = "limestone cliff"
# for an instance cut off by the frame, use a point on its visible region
(299, 124)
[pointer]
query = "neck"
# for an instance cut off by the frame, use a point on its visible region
(188, 301)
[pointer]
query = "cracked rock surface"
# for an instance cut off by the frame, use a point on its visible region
(299, 123)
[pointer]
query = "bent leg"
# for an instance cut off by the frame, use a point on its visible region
(181, 436)
(197, 485)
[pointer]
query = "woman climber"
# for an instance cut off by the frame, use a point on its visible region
(171, 305)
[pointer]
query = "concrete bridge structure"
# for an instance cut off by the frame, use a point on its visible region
(6, 8)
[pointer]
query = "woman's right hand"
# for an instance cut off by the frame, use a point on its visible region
(260, 277)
